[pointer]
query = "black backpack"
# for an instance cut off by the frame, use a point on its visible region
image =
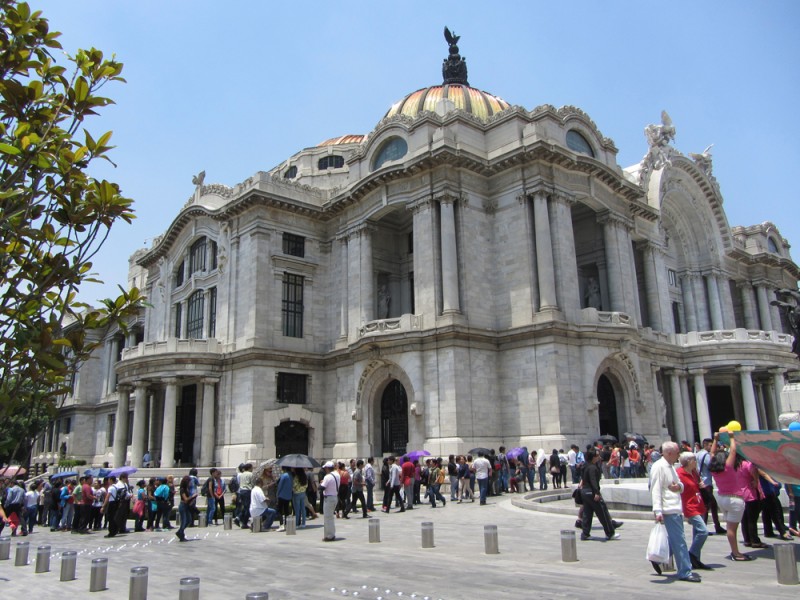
(233, 484)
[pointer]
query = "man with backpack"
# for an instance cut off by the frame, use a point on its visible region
(435, 481)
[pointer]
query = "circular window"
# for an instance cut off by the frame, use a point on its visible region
(578, 143)
(393, 149)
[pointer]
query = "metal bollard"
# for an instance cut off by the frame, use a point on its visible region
(227, 521)
(5, 548)
(490, 544)
(202, 519)
(786, 564)
(138, 588)
(257, 596)
(569, 549)
(255, 526)
(21, 558)
(42, 559)
(189, 589)
(68, 562)
(98, 575)
(427, 535)
(374, 531)
(291, 526)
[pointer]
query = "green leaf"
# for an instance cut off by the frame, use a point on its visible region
(7, 149)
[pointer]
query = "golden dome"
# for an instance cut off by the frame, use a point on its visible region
(474, 101)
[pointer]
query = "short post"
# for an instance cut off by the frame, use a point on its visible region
(786, 564)
(569, 549)
(21, 558)
(255, 526)
(490, 544)
(201, 522)
(5, 548)
(98, 575)
(257, 596)
(227, 521)
(138, 587)
(68, 562)
(427, 535)
(42, 559)
(291, 526)
(189, 588)
(374, 531)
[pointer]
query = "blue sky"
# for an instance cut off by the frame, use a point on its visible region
(237, 87)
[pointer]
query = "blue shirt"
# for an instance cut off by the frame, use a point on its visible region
(285, 487)
(703, 464)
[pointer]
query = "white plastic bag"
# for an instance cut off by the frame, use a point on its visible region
(658, 546)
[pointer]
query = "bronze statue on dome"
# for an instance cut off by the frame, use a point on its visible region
(454, 67)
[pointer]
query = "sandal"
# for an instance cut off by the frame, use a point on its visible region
(759, 545)
(742, 558)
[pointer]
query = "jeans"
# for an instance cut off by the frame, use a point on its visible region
(574, 471)
(269, 515)
(299, 506)
(211, 506)
(244, 507)
(370, 497)
(543, 476)
(453, 487)
(531, 477)
(677, 545)
(504, 480)
(699, 535)
(483, 486)
(31, 512)
(66, 516)
(185, 515)
(433, 490)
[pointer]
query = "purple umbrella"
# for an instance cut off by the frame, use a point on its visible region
(417, 454)
(516, 452)
(122, 471)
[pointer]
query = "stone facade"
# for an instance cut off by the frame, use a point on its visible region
(467, 274)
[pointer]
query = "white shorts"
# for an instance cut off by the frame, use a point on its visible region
(732, 508)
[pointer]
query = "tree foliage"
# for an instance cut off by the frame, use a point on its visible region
(54, 216)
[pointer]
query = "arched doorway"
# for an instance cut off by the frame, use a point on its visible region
(291, 437)
(607, 413)
(394, 418)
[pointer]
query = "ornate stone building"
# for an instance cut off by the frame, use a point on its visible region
(468, 273)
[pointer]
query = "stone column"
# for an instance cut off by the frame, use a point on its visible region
(676, 400)
(777, 389)
(168, 429)
(111, 376)
(774, 311)
(424, 258)
(725, 298)
(544, 253)
(748, 397)
(566, 266)
(152, 440)
(613, 262)
(714, 302)
(450, 293)
(748, 304)
(367, 278)
(139, 423)
(343, 307)
(687, 407)
(657, 289)
(689, 308)
(121, 426)
(763, 307)
(207, 435)
(700, 302)
(701, 403)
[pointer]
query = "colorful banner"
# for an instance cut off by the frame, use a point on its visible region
(774, 452)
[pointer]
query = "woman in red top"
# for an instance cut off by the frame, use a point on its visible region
(694, 509)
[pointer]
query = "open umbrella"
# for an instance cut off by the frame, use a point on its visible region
(516, 453)
(484, 451)
(635, 437)
(12, 471)
(65, 475)
(122, 471)
(301, 461)
(97, 472)
(607, 439)
(417, 454)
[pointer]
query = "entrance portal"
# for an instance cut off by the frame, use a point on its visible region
(184, 425)
(720, 405)
(394, 419)
(609, 425)
(291, 437)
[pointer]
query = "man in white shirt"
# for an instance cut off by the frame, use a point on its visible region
(330, 491)
(369, 478)
(259, 509)
(394, 484)
(665, 490)
(483, 469)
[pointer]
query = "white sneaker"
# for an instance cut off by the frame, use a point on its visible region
(616, 536)
(281, 528)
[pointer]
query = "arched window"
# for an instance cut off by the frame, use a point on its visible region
(578, 143)
(332, 161)
(772, 246)
(194, 320)
(290, 173)
(197, 256)
(393, 149)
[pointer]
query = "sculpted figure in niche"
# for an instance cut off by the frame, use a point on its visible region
(223, 243)
(163, 275)
(384, 301)
(592, 294)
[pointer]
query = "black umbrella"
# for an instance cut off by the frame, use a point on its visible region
(635, 437)
(607, 439)
(301, 461)
(475, 451)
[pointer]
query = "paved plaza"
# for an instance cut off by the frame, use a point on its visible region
(231, 564)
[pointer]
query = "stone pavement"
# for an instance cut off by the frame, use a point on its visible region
(231, 564)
